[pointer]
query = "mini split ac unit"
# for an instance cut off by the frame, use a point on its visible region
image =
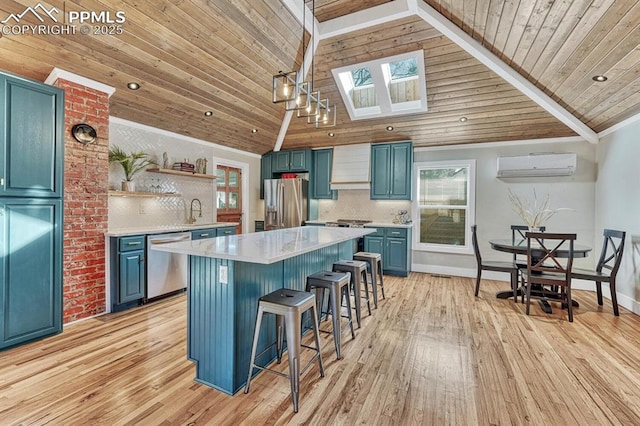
(543, 164)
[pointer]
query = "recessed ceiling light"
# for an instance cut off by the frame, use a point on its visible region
(133, 85)
(331, 134)
(208, 113)
(254, 130)
(599, 78)
(389, 128)
(463, 119)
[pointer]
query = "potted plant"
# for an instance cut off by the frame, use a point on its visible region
(131, 164)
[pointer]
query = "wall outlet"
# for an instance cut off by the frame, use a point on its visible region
(223, 274)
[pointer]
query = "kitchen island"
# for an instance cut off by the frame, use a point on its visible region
(228, 275)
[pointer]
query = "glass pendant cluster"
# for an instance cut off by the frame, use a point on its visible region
(299, 95)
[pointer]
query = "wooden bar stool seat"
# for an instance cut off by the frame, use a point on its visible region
(288, 306)
(338, 285)
(358, 272)
(375, 268)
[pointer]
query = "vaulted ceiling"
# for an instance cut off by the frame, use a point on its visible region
(192, 56)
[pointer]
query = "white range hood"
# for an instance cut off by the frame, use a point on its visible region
(351, 167)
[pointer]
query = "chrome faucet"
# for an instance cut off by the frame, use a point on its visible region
(191, 209)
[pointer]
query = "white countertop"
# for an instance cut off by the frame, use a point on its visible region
(266, 247)
(368, 225)
(140, 230)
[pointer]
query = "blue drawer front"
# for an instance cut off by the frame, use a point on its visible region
(131, 243)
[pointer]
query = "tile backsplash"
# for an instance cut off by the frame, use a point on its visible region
(355, 204)
(125, 212)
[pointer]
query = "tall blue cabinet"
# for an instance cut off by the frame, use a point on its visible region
(31, 202)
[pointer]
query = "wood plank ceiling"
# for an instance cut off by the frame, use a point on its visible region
(192, 56)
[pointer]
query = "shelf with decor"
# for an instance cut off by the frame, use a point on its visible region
(181, 173)
(141, 194)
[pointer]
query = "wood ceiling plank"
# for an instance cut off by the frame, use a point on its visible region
(553, 32)
(534, 25)
(468, 16)
(505, 29)
(327, 9)
(492, 23)
(526, 26)
(591, 46)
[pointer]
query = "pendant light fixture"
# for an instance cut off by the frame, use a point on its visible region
(301, 96)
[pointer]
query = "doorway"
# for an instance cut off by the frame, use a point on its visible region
(229, 195)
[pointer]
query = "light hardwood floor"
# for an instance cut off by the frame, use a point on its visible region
(432, 354)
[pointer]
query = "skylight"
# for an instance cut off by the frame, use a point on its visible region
(384, 87)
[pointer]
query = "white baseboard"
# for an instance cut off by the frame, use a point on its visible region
(623, 300)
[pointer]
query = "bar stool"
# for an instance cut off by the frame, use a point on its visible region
(375, 266)
(338, 285)
(288, 306)
(358, 272)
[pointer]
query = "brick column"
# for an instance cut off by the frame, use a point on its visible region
(86, 175)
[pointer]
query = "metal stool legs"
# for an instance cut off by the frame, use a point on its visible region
(374, 263)
(338, 285)
(288, 306)
(358, 272)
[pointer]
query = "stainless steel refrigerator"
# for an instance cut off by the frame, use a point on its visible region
(285, 203)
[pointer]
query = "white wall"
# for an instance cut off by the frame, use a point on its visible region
(136, 212)
(494, 213)
(618, 205)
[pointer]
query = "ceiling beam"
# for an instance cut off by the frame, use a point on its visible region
(462, 39)
(376, 15)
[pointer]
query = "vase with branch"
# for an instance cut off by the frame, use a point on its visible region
(534, 213)
(131, 163)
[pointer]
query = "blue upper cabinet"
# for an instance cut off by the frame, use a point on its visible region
(291, 161)
(31, 138)
(391, 171)
(321, 175)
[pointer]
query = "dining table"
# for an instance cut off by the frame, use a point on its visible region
(518, 246)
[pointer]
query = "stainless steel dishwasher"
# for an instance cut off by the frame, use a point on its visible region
(166, 272)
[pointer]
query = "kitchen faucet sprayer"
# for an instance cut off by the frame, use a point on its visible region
(191, 209)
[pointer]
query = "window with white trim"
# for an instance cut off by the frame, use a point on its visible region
(384, 87)
(444, 205)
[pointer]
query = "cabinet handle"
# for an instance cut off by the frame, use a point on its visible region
(1, 181)
(134, 243)
(395, 232)
(204, 235)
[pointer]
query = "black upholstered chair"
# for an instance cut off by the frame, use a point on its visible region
(508, 267)
(549, 273)
(607, 267)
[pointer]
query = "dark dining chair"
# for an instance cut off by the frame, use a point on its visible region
(547, 271)
(497, 266)
(517, 234)
(607, 267)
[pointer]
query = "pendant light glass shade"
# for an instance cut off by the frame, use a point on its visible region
(313, 110)
(302, 100)
(285, 87)
(327, 116)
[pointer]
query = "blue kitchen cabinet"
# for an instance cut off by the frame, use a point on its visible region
(128, 279)
(394, 244)
(265, 171)
(391, 171)
(32, 138)
(213, 232)
(31, 206)
(291, 161)
(30, 269)
(320, 180)
(226, 230)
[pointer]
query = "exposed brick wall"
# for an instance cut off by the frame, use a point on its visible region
(86, 175)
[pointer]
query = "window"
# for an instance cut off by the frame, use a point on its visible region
(444, 205)
(385, 87)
